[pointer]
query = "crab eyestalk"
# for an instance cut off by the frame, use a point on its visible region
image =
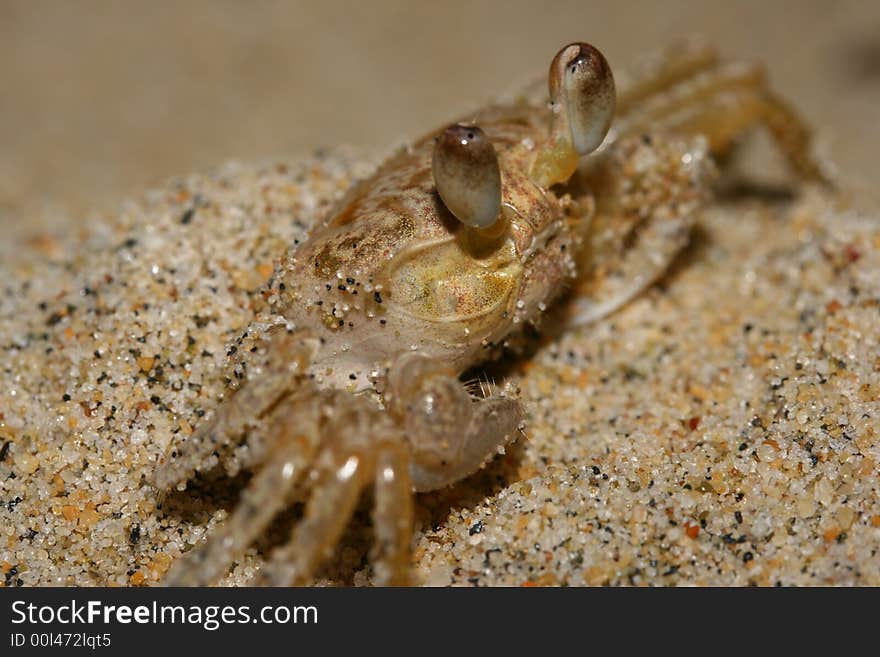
(582, 98)
(467, 175)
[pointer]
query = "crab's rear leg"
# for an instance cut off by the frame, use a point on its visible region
(721, 104)
(661, 71)
(291, 354)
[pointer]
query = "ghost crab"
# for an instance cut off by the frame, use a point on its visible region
(430, 265)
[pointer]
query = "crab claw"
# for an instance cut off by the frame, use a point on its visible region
(582, 97)
(467, 175)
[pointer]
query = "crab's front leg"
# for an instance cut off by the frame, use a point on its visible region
(436, 434)
(295, 436)
(337, 445)
(353, 436)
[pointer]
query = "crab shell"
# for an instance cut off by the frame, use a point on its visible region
(393, 271)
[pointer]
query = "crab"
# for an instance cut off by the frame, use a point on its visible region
(438, 261)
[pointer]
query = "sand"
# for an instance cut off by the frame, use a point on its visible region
(722, 429)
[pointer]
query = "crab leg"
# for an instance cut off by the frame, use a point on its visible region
(723, 118)
(392, 516)
(450, 433)
(327, 513)
(255, 397)
(295, 432)
(663, 71)
(496, 421)
(688, 93)
(720, 104)
(659, 151)
(665, 175)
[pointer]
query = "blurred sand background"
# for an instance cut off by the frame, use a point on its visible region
(102, 99)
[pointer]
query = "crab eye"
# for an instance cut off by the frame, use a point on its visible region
(467, 176)
(581, 80)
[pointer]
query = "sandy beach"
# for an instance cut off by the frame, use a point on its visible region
(720, 430)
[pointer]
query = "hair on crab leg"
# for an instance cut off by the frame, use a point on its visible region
(343, 477)
(392, 516)
(295, 436)
(292, 353)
